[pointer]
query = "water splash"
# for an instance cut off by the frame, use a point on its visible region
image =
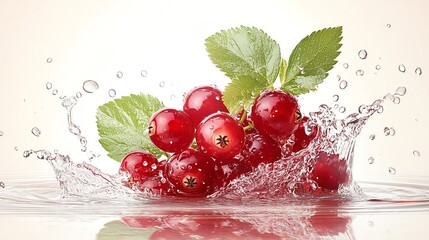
(69, 103)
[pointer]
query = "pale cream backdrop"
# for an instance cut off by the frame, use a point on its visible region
(96, 39)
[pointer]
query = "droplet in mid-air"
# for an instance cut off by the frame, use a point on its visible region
(1, 133)
(342, 109)
(119, 74)
(402, 68)
(401, 91)
(392, 170)
(370, 160)
(112, 93)
(78, 94)
(418, 71)
(2, 185)
(359, 72)
(416, 153)
(343, 84)
(54, 92)
(90, 86)
(377, 67)
(48, 85)
(372, 137)
(335, 98)
(345, 65)
(362, 54)
(388, 25)
(143, 73)
(49, 60)
(161, 84)
(36, 131)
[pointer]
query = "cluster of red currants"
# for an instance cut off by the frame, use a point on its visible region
(210, 147)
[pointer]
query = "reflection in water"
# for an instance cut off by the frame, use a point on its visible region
(322, 219)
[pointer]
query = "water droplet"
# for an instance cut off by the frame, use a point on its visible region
(145, 163)
(90, 86)
(392, 132)
(359, 72)
(345, 65)
(49, 60)
(343, 84)
(362, 54)
(396, 100)
(380, 109)
(336, 106)
(342, 109)
(1, 133)
(217, 98)
(389, 97)
(400, 91)
(153, 166)
(388, 25)
(2, 185)
(48, 85)
(416, 153)
(302, 70)
(378, 67)
(335, 98)
(370, 160)
(402, 68)
(392, 170)
(143, 73)
(161, 84)
(338, 77)
(54, 92)
(112, 93)
(16, 148)
(418, 71)
(386, 131)
(78, 94)
(36, 132)
(119, 74)
(372, 136)
(172, 97)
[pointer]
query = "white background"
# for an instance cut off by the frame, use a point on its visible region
(96, 39)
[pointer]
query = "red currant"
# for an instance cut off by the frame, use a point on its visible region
(220, 135)
(203, 101)
(231, 169)
(191, 172)
(276, 114)
(171, 130)
(140, 165)
(156, 185)
(261, 149)
(302, 137)
(329, 171)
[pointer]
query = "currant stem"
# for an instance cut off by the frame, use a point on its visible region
(248, 127)
(243, 117)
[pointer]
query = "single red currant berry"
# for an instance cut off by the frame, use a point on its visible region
(260, 149)
(155, 185)
(329, 171)
(220, 135)
(171, 130)
(303, 137)
(203, 101)
(276, 114)
(231, 169)
(191, 173)
(139, 165)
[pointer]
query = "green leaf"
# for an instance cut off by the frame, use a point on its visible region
(311, 60)
(122, 124)
(240, 93)
(245, 51)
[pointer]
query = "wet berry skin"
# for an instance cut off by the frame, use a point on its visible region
(329, 171)
(220, 135)
(276, 114)
(203, 101)
(140, 165)
(302, 139)
(171, 130)
(191, 172)
(260, 149)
